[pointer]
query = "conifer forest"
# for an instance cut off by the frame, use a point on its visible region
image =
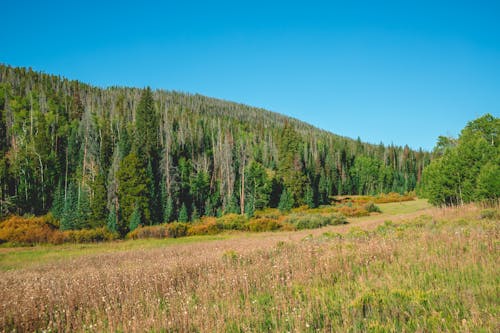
(122, 157)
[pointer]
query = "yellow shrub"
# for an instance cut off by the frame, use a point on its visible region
(263, 224)
(154, 231)
(207, 226)
(28, 230)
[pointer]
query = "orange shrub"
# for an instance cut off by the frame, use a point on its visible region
(352, 211)
(28, 230)
(153, 231)
(89, 235)
(394, 197)
(263, 224)
(207, 226)
(176, 229)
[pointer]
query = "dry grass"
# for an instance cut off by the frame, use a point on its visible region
(436, 272)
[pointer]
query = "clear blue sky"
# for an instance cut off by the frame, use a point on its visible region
(399, 72)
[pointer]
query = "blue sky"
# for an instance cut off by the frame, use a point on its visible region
(399, 72)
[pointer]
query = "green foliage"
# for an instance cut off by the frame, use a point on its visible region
(168, 210)
(313, 221)
(80, 150)
(488, 182)
(309, 197)
(135, 219)
(468, 171)
(133, 189)
(372, 208)
(290, 167)
(286, 202)
(99, 202)
(183, 214)
(231, 222)
(111, 223)
(490, 213)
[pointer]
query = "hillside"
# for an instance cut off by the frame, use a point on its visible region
(91, 155)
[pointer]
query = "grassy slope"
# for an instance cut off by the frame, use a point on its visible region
(16, 258)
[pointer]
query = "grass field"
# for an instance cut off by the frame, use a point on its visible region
(411, 268)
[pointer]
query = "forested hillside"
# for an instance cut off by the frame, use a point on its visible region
(97, 156)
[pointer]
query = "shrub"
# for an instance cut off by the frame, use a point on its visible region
(207, 226)
(231, 222)
(313, 221)
(28, 230)
(263, 224)
(372, 208)
(176, 229)
(89, 235)
(154, 231)
(394, 197)
(352, 211)
(489, 213)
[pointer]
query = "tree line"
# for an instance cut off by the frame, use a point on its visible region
(122, 157)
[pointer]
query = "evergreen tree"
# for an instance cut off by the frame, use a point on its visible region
(135, 219)
(232, 206)
(250, 206)
(168, 210)
(194, 215)
(290, 168)
(146, 125)
(183, 214)
(58, 203)
(69, 219)
(309, 197)
(286, 202)
(111, 221)
(99, 202)
(133, 187)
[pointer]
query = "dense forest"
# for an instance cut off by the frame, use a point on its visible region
(126, 156)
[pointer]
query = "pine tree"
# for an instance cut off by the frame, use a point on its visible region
(133, 188)
(146, 125)
(168, 210)
(99, 202)
(111, 221)
(58, 203)
(194, 215)
(69, 219)
(250, 206)
(183, 214)
(286, 202)
(290, 167)
(232, 206)
(135, 219)
(309, 197)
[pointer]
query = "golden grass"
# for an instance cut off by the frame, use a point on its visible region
(435, 272)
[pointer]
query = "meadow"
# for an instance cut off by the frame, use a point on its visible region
(410, 268)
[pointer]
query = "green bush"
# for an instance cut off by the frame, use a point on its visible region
(176, 229)
(313, 221)
(489, 214)
(372, 208)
